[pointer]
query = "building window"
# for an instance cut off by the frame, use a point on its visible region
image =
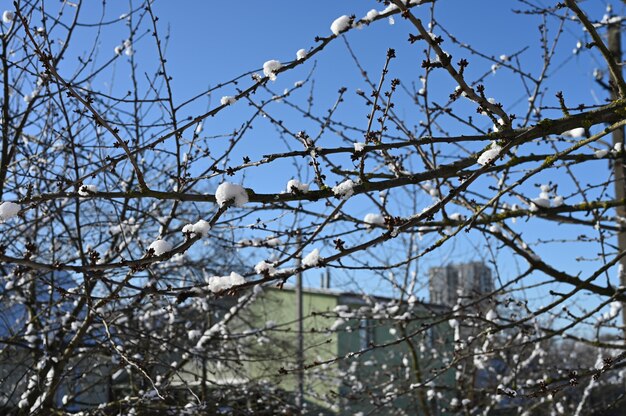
(366, 334)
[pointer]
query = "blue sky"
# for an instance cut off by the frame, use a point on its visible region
(212, 42)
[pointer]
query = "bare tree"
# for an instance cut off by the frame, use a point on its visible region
(137, 240)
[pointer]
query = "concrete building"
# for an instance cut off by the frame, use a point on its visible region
(359, 343)
(466, 280)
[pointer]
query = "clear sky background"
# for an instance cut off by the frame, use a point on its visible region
(214, 41)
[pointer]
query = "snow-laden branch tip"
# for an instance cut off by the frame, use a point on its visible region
(270, 68)
(557, 201)
(264, 267)
(161, 247)
(201, 228)
(345, 189)
(341, 24)
(542, 201)
(228, 100)
(87, 190)
(128, 48)
(371, 15)
(231, 193)
(371, 220)
(312, 259)
(295, 185)
(220, 283)
(359, 146)
(490, 154)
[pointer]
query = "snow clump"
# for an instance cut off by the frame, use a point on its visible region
(498, 125)
(264, 267)
(540, 202)
(456, 216)
(295, 185)
(270, 68)
(201, 228)
(312, 259)
(617, 147)
(557, 201)
(614, 308)
(371, 15)
(341, 24)
(8, 16)
(345, 189)
(220, 283)
(128, 48)
(358, 146)
(574, 133)
(372, 220)
(29, 97)
(87, 190)
(491, 315)
(544, 200)
(8, 210)
(228, 100)
(495, 228)
(161, 247)
(490, 154)
(301, 54)
(230, 192)
(599, 154)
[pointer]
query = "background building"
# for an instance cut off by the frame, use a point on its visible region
(377, 339)
(466, 280)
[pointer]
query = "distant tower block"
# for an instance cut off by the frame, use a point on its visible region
(466, 280)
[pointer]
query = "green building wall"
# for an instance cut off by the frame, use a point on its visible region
(275, 311)
(332, 387)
